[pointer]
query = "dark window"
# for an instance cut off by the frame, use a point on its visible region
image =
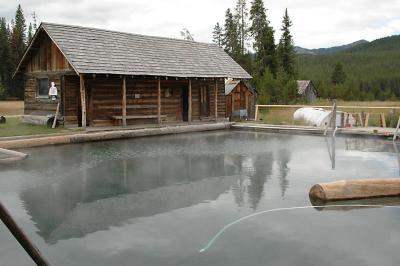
(43, 87)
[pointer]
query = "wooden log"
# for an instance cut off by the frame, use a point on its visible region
(83, 100)
(34, 119)
(353, 204)
(190, 101)
(21, 237)
(13, 156)
(124, 101)
(56, 115)
(356, 189)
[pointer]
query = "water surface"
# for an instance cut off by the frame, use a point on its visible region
(159, 200)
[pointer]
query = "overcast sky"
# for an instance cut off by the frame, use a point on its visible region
(316, 23)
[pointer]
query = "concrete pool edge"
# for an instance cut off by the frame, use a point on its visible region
(82, 137)
(308, 130)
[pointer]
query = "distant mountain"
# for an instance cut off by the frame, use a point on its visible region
(390, 43)
(300, 50)
(372, 69)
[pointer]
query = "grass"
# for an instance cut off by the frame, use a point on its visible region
(11, 108)
(14, 128)
(284, 115)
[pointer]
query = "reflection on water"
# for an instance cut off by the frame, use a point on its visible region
(111, 193)
(158, 200)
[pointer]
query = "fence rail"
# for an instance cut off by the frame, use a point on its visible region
(327, 106)
(362, 116)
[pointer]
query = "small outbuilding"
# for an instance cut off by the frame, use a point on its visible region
(307, 90)
(107, 77)
(240, 99)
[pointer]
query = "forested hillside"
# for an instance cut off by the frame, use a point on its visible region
(371, 71)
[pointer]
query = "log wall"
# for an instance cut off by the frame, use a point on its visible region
(44, 60)
(236, 100)
(35, 105)
(46, 57)
(104, 99)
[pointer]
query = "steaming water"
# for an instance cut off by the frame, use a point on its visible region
(159, 200)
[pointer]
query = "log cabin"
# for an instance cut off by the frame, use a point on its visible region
(307, 90)
(240, 99)
(107, 77)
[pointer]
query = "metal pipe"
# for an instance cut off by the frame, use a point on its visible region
(21, 237)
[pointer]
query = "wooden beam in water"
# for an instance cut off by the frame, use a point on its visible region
(356, 189)
(21, 237)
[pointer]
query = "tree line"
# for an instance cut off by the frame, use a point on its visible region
(366, 72)
(14, 38)
(248, 37)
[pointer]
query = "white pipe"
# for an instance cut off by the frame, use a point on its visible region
(226, 227)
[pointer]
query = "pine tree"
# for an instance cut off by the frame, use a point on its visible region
(18, 35)
(5, 56)
(338, 75)
(18, 45)
(240, 19)
(30, 33)
(264, 41)
(230, 36)
(265, 85)
(217, 35)
(286, 54)
(34, 18)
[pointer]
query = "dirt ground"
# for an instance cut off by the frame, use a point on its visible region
(11, 108)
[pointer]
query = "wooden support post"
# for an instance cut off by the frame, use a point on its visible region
(216, 100)
(383, 120)
(366, 122)
(397, 129)
(360, 119)
(21, 237)
(233, 102)
(256, 115)
(83, 100)
(190, 101)
(55, 117)
(124, 101)
(159, 101)
(246, 99)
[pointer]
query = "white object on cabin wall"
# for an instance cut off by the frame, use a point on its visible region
(53, 91)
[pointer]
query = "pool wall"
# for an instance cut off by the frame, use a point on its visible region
(110, 135)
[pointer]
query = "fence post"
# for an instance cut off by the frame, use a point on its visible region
(397, 129)
(256, 115)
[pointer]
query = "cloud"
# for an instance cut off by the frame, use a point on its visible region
(316, 24)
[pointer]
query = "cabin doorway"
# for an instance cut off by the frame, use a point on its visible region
(185, 104)
(204, 102)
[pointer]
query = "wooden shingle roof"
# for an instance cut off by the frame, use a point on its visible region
(302, 86)
(98, 51)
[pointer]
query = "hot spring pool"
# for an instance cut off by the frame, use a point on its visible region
(159, 200)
